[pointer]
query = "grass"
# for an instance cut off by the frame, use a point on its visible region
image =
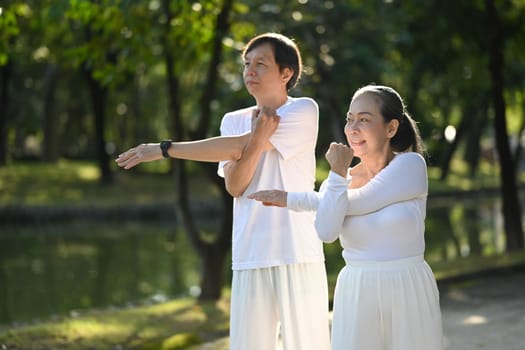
(473, 265)
(77, 182)
(176, 324)
(69, 182)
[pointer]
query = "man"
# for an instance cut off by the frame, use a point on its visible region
(279, 277)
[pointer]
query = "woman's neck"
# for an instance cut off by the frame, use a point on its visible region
(373, 165)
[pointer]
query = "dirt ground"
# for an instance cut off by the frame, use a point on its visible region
(487, 313)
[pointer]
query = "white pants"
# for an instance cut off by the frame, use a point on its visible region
(387, 305)
(294, 297)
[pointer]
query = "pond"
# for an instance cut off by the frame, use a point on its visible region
(58, 268)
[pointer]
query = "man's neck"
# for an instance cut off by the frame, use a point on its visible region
(273, 102)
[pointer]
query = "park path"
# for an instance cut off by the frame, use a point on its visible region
(487, 313)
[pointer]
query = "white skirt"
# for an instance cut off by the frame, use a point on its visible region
(387, 305)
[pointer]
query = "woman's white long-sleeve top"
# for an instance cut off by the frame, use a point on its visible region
(383, 220)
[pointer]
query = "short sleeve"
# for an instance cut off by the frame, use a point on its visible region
(227, 128)
(298, 127)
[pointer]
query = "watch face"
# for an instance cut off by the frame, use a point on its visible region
(164, 146)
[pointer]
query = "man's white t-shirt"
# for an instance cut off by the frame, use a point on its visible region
(265, 236)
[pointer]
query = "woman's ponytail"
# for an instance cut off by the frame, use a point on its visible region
(408, 137)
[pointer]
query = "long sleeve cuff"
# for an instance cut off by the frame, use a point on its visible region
(302, 201)
(336, 182)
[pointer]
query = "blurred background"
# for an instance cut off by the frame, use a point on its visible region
(81, 81)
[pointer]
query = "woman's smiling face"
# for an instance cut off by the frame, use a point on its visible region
(365, 129)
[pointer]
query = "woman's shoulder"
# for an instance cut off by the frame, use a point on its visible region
(410, 157)
(408, 163)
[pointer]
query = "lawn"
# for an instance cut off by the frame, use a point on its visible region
(71, 182)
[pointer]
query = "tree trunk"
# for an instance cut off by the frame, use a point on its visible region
(5, 314)
(471, 216)
(5, 77)
(216, 252)
(519, 148)
(213, 254)
(509, 189)
(99, 96)
(473, 141)
(50, 119)
(445, 164)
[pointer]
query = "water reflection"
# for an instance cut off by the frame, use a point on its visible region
(54, 268)
(456, 229)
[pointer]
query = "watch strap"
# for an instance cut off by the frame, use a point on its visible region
(164, 147)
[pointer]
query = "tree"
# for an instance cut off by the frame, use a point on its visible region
(213, 254)
(9, 30)
(100, 56)
(509, 190)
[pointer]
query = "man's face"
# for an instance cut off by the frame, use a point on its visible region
(261, 72)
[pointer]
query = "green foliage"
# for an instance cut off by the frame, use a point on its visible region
(8, 30)
(434, 55)
(100, 41)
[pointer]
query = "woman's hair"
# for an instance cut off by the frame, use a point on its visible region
(286, 54)
(392, 106)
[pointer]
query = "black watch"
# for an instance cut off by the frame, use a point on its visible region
(164, 147)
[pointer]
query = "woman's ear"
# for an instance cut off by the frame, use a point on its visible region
(393, 125)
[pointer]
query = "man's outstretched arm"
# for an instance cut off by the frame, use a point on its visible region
(213, 149)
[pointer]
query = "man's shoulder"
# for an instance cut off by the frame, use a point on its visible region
(236, 121)
(243, 112)
(302, 106)
(304, 101)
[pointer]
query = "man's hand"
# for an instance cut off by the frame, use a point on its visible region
(145, 152)
(339, 156)
(276, 198)
(264, 123)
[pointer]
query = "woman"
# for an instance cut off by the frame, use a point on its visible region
(386, 296)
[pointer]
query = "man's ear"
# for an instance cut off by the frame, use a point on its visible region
(286, 75)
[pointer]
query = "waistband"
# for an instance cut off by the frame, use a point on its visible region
(385, 264)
